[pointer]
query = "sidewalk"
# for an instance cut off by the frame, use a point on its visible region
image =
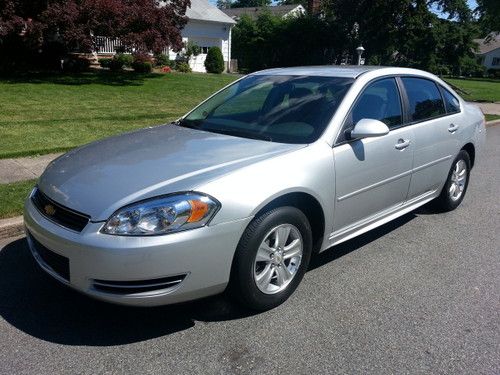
(489, 108)
(21, 169)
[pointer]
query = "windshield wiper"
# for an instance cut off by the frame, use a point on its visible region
(243, 134)
(187, 124)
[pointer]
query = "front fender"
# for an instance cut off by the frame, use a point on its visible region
(244, 192)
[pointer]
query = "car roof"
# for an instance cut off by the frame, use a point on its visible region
(342, 71)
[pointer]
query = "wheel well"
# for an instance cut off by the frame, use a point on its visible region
(309, 206)
(469, 147)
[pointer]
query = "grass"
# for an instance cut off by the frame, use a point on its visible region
(47, 113)
(492, 117)
(12, 197)
(487, 90)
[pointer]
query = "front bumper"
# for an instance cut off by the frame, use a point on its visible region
(201, 257)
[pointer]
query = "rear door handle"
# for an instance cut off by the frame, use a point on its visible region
(452, 128)
(402, 144)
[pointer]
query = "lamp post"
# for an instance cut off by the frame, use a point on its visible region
(360, 51)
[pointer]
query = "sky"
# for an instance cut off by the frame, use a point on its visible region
(472, 4)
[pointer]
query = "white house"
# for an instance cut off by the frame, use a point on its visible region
(283, 11)
(207, 26)
(489, 51)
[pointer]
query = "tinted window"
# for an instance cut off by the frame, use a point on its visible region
(451, 102)
(424, 99)
(288, 109)
(379, 101)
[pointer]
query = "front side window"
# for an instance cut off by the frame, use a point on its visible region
(451, 102)
(286, 109)
(379, 101)
(424, 99)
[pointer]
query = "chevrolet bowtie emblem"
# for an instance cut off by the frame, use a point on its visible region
(49, 209)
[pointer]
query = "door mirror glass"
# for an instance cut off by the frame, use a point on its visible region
(368, 127)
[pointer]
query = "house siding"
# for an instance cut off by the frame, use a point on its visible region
(206, 34)
(487, 59)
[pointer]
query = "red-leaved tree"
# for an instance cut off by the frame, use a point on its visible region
(32, 26)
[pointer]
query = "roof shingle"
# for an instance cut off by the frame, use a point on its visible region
(488, 44)
(253, 12)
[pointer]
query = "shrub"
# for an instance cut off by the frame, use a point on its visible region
(118, 62)
(166, 69)
(471, 68)
(142, 66)
(115, 64)
(214, 63)
(125, 59)
(162, 60)
(494, 73)
(76, 64)
(142, 63)
(191, 49)
(105, 62)
(183, 67)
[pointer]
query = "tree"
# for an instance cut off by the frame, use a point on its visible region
(214, 62)
(141, 25)
(250, 3)
(489, 11)
(404, 32)
(224, 4)
(289, 2)
(393, 32)
(190, 49)
(271, 41)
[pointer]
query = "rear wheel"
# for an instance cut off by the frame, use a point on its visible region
(456, 184)
(271, 258)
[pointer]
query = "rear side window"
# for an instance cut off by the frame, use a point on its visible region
(451, 102)
(424, 99)
(379, 101)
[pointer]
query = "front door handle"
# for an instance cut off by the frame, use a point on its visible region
(452, 128)
(402, 144)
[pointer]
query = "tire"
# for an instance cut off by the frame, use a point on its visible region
(448, 200)
(261, 238)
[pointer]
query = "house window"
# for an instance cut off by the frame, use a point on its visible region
(496, 61)
(204, 50)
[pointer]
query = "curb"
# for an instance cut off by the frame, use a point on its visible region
(492, 123)
(11, 227)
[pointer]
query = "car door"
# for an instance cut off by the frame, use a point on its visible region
(435, 127)
(372, 175)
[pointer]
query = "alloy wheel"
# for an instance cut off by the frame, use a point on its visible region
(278, 259)
(458, 180)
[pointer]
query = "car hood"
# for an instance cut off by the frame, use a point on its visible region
(99, 178)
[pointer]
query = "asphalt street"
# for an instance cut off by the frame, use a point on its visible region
(420, 295)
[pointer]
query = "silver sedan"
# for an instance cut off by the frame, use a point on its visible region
(238, 194)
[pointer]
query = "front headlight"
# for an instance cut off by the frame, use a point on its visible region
(162, 215)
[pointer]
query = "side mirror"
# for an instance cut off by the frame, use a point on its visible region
(368, 127)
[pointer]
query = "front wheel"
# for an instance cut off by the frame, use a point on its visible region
(456, 184)
(271, 259)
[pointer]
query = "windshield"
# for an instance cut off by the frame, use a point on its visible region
(285, 109)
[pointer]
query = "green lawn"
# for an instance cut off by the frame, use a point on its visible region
(492, 117)
(41, 114)
(12, 197)
(478, 89)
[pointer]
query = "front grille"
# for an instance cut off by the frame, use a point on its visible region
(140, 286)
(59, 214)
(57, 263)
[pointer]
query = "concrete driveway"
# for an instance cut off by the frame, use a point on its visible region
(419, 295)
